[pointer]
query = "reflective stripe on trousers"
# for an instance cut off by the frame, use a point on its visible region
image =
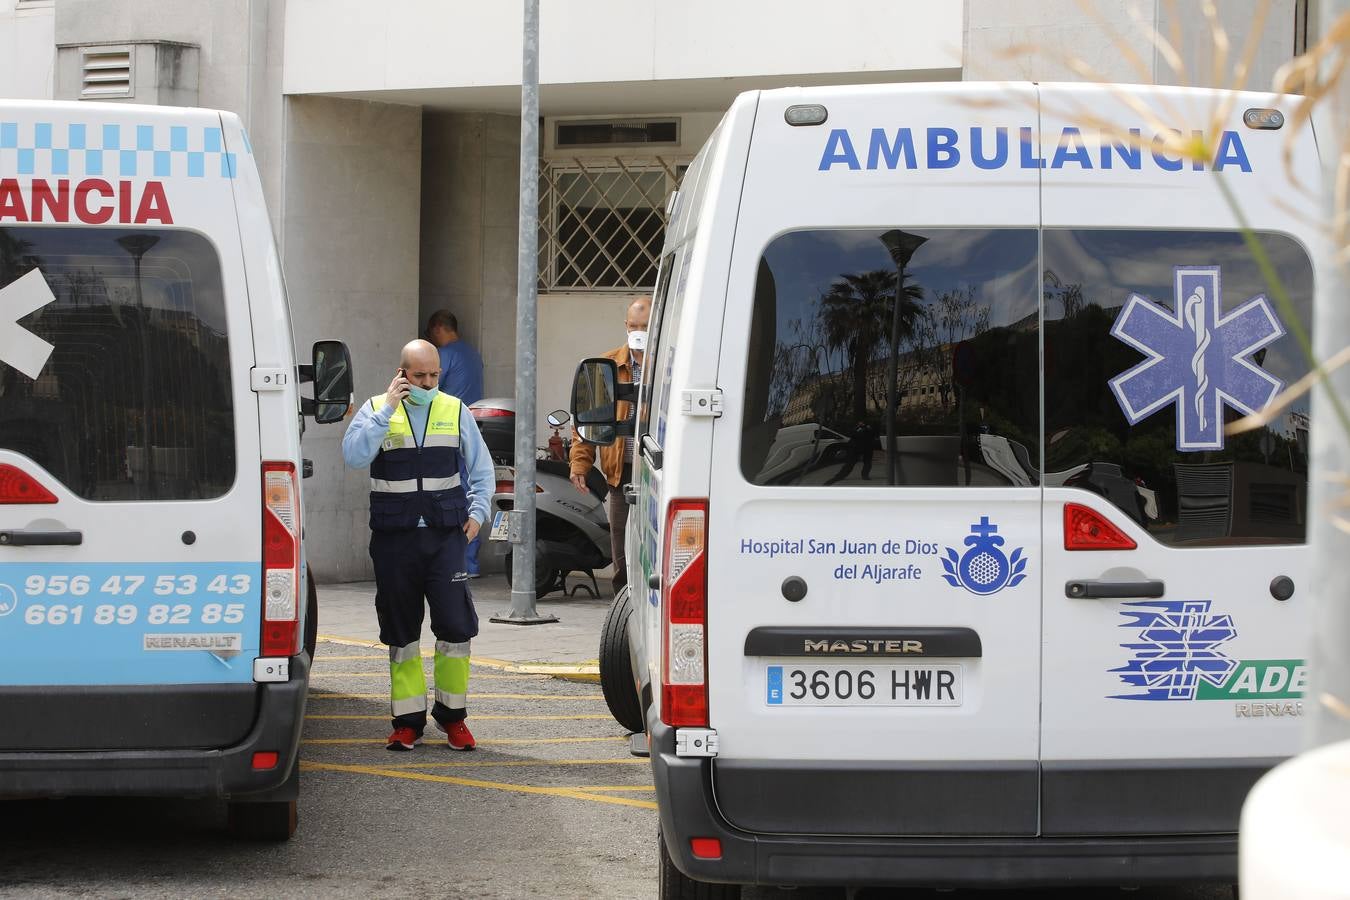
(452, 674)
(407, 681)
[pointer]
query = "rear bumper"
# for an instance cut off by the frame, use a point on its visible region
(217, 772)
(685, 798)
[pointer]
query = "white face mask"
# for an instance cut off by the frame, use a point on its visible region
(637, 341)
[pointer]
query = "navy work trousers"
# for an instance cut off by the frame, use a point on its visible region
(414, 566)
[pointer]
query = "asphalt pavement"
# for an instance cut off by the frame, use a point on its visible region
(550, 805)
(347, 615)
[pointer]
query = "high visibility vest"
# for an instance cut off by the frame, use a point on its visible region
(411, 482)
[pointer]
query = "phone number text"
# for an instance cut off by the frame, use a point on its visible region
(130, 614)
(132, 585)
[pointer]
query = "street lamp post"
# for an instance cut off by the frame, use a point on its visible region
(523, 610)
(901, 245)
(137, 245)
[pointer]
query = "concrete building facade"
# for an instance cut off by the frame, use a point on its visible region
(388, 139)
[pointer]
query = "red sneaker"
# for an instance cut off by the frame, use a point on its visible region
(458, 735)
(403, 739)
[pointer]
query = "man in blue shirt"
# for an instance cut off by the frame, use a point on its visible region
(431, 478)
(462, 377)
(461, 366)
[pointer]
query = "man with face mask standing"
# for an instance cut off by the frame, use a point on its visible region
(616, 460)
(431, 478)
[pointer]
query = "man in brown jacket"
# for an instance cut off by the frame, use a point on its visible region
(616, 460)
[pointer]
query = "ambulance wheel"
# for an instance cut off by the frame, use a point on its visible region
(272, 820)
(675, 885)
(616, 667)
(311, 615)
(546, 580)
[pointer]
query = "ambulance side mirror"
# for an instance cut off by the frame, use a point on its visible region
(332, 381)
(596, 393)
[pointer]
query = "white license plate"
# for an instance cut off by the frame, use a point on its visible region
(501, 526)
(864, 684)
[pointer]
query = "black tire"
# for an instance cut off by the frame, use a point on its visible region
(616, 667)
(675, 885)
(545, 579)
(311, 615)
(272, 820)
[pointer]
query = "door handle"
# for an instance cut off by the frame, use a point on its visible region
(22, 538)
(1112, 590)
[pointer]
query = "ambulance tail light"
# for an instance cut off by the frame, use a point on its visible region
(18, 487)
(684, 601)
(281, 560)
(1087, 529)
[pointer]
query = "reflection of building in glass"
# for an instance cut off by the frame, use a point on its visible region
(1298, 424)
(923, 381)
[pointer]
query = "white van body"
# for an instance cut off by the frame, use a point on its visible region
(928, 677)
(146, 645)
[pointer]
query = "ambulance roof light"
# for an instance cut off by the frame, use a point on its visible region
(1268, 119)
(806, 114)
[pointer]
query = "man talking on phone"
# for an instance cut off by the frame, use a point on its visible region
(430, 481)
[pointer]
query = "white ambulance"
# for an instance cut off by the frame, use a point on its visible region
(1017, 608)
(156, 619)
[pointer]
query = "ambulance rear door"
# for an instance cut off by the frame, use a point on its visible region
(874, 551)
(1175, 577)
(130, 486)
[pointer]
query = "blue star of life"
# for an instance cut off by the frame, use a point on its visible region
(1178, 647)
(984, 568)
(1197, 358)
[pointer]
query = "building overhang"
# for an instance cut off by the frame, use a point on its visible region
(624, 98)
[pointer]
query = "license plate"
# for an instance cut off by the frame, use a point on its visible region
(501, 526)
(882, 684)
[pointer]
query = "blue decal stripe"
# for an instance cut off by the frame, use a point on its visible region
(129, 623)
(47, 150)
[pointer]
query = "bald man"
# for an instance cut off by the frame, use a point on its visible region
(616, 460)
(430, 481)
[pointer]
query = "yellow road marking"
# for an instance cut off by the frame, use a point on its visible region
(489, 743)
(324, 695)
(570, 793)
(518, 764)
(588, 670)
(317, 677)
(619, 787)
(320, 673)
(479, 718)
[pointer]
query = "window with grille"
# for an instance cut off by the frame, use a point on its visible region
(602, 221)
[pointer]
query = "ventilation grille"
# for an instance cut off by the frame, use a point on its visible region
(105, 72)
(623, 131)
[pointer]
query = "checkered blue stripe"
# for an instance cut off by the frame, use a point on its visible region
(116, 151)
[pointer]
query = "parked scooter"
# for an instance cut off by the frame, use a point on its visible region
(571, 528)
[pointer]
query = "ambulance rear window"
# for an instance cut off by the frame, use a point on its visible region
(848, 386)
(140, 359)
(1152, 437)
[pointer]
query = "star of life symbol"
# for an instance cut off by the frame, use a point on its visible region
(1179, 646)
(984, 568)
(1196, 357)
